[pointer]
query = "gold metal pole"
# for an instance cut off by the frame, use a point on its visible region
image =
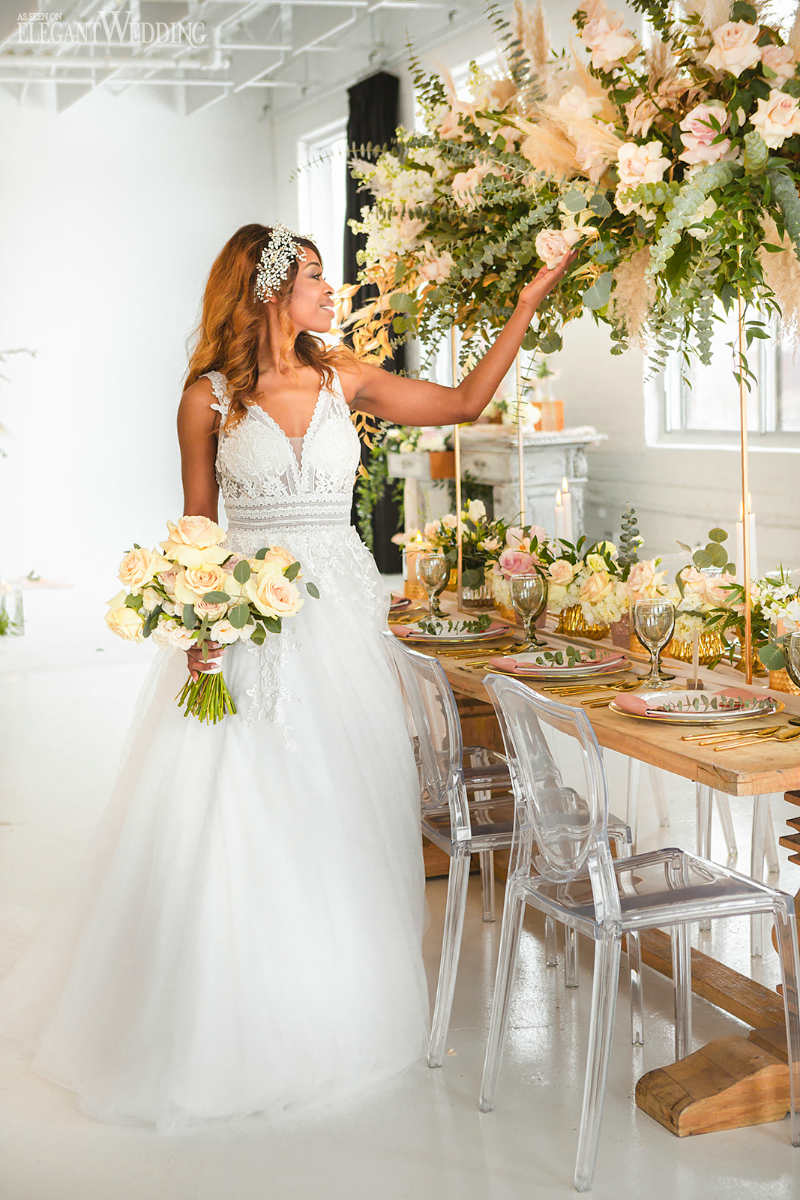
(745, 478)
(520, 439)
(457, 448)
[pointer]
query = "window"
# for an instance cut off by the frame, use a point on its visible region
(701, 406)
(322, 194)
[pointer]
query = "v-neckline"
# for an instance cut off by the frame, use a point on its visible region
(298, 464)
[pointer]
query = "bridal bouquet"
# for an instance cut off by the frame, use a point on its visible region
(190, 590)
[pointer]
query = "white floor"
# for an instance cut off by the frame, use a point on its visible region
(64, 705)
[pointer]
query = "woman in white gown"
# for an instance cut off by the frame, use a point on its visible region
(247, 936)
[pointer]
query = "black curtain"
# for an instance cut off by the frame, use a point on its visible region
(372, 118)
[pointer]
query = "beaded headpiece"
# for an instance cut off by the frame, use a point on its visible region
(277, 256)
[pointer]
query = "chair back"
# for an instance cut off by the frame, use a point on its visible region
(559, 785)
(434, 726)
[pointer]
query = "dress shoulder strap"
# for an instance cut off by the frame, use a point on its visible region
(219, 386)
(337, 391)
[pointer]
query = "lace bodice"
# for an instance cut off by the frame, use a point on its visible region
(297, 493)
(267, 482)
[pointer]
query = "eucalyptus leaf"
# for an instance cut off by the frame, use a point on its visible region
(262, 553)
(718, 535)
(189, 617)
(772, 656)
(239, 616)
(718, 555)
(216, 597)
(273, 624)
(597, 296)
(258, 635)
(312, 590)
(574, 201)
(242, 572)
(134, 602)
(292, 570)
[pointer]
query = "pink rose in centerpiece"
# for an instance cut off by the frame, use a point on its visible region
(596, 587)
(779, 60)
(644, 580)
(553, 244)
(698, 133)
(716, 588)
(516, 562)
(514, 537)
(562, 572)
(776, 118)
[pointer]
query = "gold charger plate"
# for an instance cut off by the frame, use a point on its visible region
(701, 719)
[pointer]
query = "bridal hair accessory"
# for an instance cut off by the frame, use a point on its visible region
(276, 258)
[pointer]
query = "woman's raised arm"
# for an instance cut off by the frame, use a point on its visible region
(420, 402)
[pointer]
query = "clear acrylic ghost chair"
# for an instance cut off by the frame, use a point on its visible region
(462, 813)
(484, 770)
(561, 807)
(458, 816)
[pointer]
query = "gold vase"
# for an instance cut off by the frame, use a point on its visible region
(779, 681)
(571, 620)
(711, 648)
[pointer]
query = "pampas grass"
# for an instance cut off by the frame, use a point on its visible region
(633, 295)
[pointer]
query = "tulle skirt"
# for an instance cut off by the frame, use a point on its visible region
(246, 933)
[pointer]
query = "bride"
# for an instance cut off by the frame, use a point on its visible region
(247, 936)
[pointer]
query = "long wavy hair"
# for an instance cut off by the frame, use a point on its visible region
(232, 319)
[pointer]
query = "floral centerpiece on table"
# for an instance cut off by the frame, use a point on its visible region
(190, 590)
(775, 611)
(675, 164)
(482, 541)
(526, 549)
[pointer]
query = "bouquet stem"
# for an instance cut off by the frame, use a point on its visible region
(206, 698)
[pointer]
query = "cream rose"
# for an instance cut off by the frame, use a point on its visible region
(475, 511)
(192, 583)
(449, 521)
(273, 594)
(562, 572)
(438, 267)
(779, 60)
(595, 562)
(698, 134)
(644, 581)
(552, 244)
(734, 47)
(595, 589)
(223, 632)
(125, 623)
(211, 612)
(278, 556)
(150, 599)
(776, 118)
(608, 40)
(194, 540)
(641, 164)
(138, 568)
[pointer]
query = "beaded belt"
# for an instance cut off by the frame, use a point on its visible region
(306, 511)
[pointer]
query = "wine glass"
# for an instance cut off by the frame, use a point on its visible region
(654, 621)
(433, 571)
(791, 654)
(529, 597)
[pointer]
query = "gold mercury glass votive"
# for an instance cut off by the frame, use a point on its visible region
(572, 620)
(711, 647)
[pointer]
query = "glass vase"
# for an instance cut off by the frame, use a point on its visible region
(477, 597)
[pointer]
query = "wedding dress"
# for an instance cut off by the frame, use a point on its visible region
(248, 937)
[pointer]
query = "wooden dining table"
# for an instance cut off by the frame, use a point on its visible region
(734, 1081)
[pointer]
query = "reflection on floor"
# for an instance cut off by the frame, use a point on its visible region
(64, 708)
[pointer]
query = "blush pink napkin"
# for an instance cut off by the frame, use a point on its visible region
(635, 704)
(522, 667)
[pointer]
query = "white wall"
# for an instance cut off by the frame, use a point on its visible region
(112, 213)
(680, 493)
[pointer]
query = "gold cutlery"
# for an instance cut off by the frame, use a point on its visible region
(783, 735)
(730, 733)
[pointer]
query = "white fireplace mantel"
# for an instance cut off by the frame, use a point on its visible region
(490, 454)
